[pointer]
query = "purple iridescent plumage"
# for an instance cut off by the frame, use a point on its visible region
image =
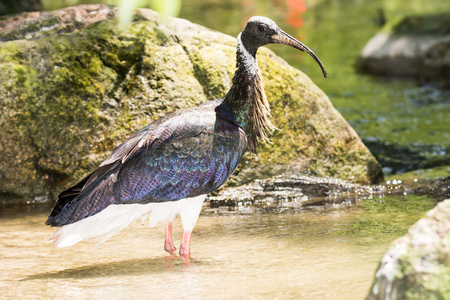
(185, 154)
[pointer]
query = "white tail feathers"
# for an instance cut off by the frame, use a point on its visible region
(116, 217)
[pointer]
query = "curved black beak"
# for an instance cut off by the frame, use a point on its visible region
(283, 38)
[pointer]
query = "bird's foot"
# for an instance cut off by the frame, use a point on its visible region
(169, 247)
(186, 253)
(168, 242)
(185, 247)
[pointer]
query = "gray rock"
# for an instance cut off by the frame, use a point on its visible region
(293, 192)
(413, 46)
(417, 265)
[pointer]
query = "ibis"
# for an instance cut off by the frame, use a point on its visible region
(167, 168)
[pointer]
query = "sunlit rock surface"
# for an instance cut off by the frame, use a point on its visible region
(73, 85)
(304, 191)
(297, 191)
(413, 46)
(417, 266)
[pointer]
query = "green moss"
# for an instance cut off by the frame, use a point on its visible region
(423, 272)
(70, 99)
(212, 69)
(36, 28)
(56, 103)
(312, 136)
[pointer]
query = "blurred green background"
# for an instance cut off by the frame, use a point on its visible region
(406, 124)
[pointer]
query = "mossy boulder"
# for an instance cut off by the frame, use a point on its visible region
(412, 46)
(417, 266)
(71, 93)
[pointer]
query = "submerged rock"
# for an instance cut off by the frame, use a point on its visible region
(73, 85)
(413, 46)
(417, 266)
(438, 188)
(297, 191)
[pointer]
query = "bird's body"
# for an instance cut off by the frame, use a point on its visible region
(167, 168)
(184, 155)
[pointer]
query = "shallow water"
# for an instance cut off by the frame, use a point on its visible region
(327, 253)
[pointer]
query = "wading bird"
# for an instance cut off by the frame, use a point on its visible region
(166, 168)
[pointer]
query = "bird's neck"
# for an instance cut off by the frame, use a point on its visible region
(246, 100)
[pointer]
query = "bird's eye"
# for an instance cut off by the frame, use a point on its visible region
(261, 28)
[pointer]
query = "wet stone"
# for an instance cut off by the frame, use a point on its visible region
(417, 265)
(293, 192)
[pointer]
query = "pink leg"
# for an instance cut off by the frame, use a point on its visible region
(168, 242)
(185, 248)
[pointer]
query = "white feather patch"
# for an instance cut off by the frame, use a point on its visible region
(116, 217)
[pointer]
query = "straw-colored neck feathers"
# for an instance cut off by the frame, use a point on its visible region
(247, 100)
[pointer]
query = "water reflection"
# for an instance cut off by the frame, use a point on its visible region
(127, 267)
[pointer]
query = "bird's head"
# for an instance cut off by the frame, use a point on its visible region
(261, 31)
